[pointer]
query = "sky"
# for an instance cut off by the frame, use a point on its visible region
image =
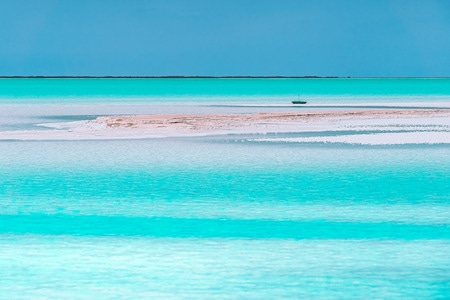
(357, 38)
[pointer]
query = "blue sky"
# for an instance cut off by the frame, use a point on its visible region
(232, 37)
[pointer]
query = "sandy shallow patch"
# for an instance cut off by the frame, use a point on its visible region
(195, 122)
(418, 121)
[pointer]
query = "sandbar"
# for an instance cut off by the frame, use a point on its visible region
(414, 124)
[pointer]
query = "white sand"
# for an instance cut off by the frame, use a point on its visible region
(416, 125)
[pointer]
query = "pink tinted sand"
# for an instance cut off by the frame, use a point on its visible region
(434, 122)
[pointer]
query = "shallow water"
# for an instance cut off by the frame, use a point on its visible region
(219, 217)
(117, 267)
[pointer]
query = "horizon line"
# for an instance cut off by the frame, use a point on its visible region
(218, 77)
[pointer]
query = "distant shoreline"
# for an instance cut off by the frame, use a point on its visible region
(223, 77)
(171, 76)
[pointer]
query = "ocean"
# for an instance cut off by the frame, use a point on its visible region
(226, 217)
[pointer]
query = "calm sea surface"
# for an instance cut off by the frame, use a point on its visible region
(219, 217)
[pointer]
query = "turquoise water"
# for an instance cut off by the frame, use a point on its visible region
(61, 90)
(217, 217)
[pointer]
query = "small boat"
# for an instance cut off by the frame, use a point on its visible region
(298, 101)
